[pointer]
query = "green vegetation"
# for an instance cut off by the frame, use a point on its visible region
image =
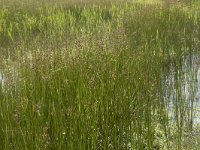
(92, 75)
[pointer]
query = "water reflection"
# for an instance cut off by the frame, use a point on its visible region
(1, 78)
(182, 90)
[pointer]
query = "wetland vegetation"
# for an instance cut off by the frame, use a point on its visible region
(92, 75)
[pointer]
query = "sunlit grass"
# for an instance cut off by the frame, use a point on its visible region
(92, 76)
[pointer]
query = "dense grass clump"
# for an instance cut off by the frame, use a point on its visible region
(90, 76)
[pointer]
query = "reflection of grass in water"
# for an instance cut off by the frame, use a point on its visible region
(189, 100)
(1, 77)
(91, 77)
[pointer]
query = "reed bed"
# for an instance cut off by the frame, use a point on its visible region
(93, 75)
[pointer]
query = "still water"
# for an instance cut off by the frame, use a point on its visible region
(182, 89)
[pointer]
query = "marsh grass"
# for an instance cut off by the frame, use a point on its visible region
(91, 77)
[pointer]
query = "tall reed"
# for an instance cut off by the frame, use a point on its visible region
(93, 77)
